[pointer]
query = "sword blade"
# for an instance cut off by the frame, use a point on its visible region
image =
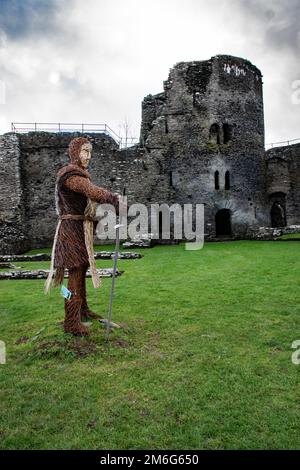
(113, 283)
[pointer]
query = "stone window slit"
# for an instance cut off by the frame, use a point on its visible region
(214, 134)
(166, 127)
(227, 180)
(227, 134)
(217, 184)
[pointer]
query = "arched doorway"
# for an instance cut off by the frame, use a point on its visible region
(223, 223)
(277, 215)
(278, 212)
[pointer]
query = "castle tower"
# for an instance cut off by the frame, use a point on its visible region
(207, 131)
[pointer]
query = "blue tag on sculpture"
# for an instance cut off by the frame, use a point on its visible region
(65, 292)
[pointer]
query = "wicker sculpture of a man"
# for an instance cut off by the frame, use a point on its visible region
(76, 200)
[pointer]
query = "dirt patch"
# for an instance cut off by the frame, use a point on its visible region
(82, 348)
(75, 347)
(22, 340)
(121, 343)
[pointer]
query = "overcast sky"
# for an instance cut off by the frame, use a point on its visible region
(94, 60)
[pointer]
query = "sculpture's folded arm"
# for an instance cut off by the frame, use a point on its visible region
(84, 186)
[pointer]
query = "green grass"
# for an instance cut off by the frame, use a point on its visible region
(203, 360)
(289, 236)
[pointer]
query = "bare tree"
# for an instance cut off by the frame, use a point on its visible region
(125, 132)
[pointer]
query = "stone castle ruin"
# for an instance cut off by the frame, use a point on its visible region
(201, 141)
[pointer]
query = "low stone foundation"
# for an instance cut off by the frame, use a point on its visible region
(46, 257)
(43, 274)
(271, 233)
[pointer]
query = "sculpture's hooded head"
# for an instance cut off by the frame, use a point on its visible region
(74, 149)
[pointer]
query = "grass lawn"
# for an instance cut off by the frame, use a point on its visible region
(203, 360)
(290, 236)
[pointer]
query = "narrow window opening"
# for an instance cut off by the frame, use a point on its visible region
(166, 127)
(227, 134)
(217, 185)
(227, 180)
(214, 134)
(160, 225)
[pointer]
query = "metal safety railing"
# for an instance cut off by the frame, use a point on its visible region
(123, 142)
(24, 127)
(283, 143)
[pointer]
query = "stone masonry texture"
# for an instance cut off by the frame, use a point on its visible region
(201, 141)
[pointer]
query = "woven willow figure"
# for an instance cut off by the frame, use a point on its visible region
(76, 199)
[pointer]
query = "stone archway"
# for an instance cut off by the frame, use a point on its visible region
(223, 223)
(278, 218)
(278, 210)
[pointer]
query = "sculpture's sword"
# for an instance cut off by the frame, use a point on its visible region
(117, 227)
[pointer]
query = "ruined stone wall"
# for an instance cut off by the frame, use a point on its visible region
(283, 180)
(208, 119)
(29, 163)
(151, 109)
(13, 237)
(211, 119)
(43, 153)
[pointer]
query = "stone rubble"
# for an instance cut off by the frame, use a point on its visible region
(42, 274)
(46, 257)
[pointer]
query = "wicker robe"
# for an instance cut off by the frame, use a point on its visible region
(76, 198)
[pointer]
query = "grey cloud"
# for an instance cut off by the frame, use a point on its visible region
(22, 18)
(60, 85)
(279, 19)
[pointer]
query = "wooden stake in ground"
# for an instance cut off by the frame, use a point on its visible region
(117, 227)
